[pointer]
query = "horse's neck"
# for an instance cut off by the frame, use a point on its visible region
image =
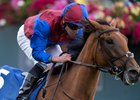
(80, 80)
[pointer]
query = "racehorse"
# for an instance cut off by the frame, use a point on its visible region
(106, 50)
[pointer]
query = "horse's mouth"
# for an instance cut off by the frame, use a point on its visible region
(129, 79)
(125, 79)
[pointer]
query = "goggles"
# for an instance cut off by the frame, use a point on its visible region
(73, 26)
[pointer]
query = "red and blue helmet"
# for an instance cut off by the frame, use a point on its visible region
(74, 13)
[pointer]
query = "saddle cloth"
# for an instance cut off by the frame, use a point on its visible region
(10, 81)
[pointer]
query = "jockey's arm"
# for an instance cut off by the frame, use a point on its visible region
(39, 42)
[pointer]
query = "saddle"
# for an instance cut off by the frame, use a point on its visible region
(45, 77)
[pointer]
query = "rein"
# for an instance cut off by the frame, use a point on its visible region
(112, 69)
(101, 68)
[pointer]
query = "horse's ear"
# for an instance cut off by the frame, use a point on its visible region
(113, 23)
(85, 22)
(93, 23)
(88, 27)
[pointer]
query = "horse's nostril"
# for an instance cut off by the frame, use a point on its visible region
(133, 73)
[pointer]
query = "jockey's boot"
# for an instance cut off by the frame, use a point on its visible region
(26, 87)
(29, 82)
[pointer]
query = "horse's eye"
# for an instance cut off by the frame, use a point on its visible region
(109, 41)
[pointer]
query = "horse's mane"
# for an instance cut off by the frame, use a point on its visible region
(89, 28)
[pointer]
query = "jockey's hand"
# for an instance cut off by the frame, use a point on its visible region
(64, 58)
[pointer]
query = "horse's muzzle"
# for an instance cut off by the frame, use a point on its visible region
(130, 77)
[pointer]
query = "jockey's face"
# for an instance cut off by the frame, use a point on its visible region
(71, 30)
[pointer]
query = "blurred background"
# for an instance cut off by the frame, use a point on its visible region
(14, 12)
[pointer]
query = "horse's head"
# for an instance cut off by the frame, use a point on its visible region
(112, 53)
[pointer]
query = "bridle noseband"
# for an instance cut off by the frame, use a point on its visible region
(112, 69)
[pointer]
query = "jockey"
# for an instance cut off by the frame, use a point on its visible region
(47, 29)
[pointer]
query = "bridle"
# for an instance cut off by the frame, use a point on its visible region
(112, 69)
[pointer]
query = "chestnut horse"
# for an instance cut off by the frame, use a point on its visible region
(106, 50)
